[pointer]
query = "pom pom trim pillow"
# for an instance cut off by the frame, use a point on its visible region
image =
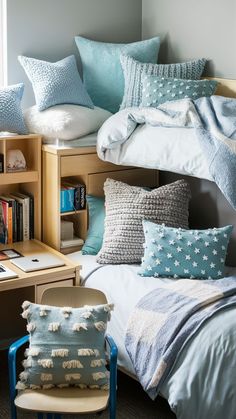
(66, 347)
(158, 90)
(55, 83)
(178, 253)
(11, 116)
(127, 206)
(133, 71)
(102, 72)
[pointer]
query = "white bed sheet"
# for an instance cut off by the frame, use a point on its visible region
(123, 287)
(89, 140)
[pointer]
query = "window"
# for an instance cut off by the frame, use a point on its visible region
(3, 31)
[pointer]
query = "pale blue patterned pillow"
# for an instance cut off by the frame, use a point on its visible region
(102, 72)
(158, 90)
(55, 83)
(179, 253)
(11, 116)
(66, 347)
(133, 71)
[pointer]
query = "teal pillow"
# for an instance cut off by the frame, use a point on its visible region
(55, 83)
(158, 90)
(66, 347)
(133, 71)
(102, 72)
(11, 116)
(179, 253)
(93, 242)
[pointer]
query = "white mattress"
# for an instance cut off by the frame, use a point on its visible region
(86, 141)
(123, 287)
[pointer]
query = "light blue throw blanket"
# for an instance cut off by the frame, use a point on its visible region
(165, 319)
(214, 122)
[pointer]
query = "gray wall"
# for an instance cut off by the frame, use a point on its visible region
(45, 29)
(194, 28)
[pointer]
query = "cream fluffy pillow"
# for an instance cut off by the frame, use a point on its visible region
(65, 122)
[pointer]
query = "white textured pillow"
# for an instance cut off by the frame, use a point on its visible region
(65, 122)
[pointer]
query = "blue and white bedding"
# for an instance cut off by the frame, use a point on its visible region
(209, 154)
(202, 381)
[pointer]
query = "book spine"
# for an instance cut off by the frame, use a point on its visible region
(5, 220)
(20, 229)
(14, 220)
(26, 227)
(80, 194)
(9, 222)
(2, 224)
(31, 216)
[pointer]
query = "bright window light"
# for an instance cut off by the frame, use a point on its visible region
(3, 43)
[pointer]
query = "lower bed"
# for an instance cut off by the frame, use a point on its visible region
(202, 382)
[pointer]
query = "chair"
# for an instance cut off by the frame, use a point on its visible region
(56, 401)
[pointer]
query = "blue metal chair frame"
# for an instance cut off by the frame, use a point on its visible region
(12, 377)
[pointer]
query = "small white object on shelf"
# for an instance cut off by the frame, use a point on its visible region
(67, 230)
(15, 161)
(76, 241)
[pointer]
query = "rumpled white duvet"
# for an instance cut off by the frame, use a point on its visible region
(172, 149)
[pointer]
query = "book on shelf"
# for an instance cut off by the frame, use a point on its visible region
(76, 241)
(79, 193)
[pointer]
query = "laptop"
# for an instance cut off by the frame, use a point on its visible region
(37, 262)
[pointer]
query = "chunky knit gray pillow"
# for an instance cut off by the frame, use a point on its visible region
(126, 208)
(133, 71)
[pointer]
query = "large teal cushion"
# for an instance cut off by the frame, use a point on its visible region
(66, 346)
(55, 83)
(133, 71)
(158, 90)
(11, 116)
(93, 242)
(179, 253)
(102, 72)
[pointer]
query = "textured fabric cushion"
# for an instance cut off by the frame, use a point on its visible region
(178, 253)
(93, 242)
(11, 116)
(126, 208)
(133, 70)
(55, 83)
(102, 72)
(65, 122)
(157, 90)
(66, 346)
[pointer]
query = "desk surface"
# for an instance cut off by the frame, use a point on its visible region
(26, 248)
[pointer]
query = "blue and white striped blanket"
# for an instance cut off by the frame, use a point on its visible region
(166, 318)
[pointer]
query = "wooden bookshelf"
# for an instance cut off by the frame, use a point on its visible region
(29, 180)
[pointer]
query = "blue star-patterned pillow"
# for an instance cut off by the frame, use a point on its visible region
(55, 83)
(178, 253)
(11, 116)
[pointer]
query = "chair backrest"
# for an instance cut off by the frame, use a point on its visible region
(72, 297)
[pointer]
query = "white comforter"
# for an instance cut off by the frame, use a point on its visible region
(173, 149)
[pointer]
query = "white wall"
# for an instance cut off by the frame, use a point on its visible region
(45, 29)
(194, 28)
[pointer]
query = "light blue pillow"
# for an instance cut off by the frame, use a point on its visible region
(102, 72)
(55, 83)
(93, 242)
(66, 346)
(11, 116)
(158, 90)
(133, 71)
(179, 253)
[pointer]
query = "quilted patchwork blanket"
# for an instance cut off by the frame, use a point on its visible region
(165, 319)
(213, 120)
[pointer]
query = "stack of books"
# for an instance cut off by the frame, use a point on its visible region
(73, 196)
(16, 217)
